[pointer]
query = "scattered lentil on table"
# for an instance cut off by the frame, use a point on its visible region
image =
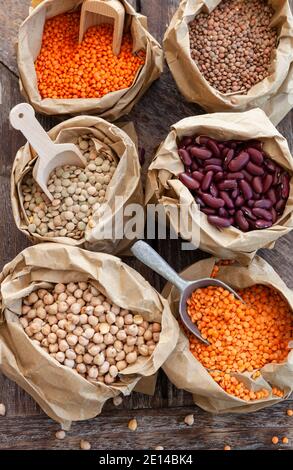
(233, 45)
(234, 182)
(243, 337)
(77, 194)
(2, 409)
(82, 329)
(132, 425)
(66, 69)
(189, 420)
(85, 445)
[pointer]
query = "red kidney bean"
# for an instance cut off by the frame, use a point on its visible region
(201, 153)
(254, 169)
(231, 211)
(260, 224)
(188, 181)
(227, 184)
(241, 221)
(271, 194)
(221, 222)
(246, 189)
(197, 175)
(224, 151)
(274, 215)
(255, 156)
(205, 184)
(214, 168)
(250, 203)
(200, 202)
(223, 213)
(235, 176)
(285, 187)
(247, 176)
(248, 213)
(235, 193)
(184, 155)
(226, 198)
(213, 146)
(239, 201)
(202, 139)
(256, 196)
(213, 202)
(262, 213)
(228, 158)
(186, 141)
(280, 206)
(257, 144)
(263, 204)
(267, 182)
(271, 166)
(218, 176)
(277, 178)
(214, 190)
(208, 211)
(213, 161)
(257, 184)
(194, 166)
(239, 162)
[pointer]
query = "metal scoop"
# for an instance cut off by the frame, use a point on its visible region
(153, 260)
(95, 12)
(50, 155)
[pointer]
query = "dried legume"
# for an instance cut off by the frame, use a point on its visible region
(66, 69)
(77, 193)
(245, 188)
(233, 45)
(243, 337)
(60, 321)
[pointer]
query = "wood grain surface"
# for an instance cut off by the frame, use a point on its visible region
(161, 417)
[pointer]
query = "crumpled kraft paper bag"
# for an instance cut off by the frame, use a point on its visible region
(64, 395)
(125, 183)
(164, 186)
(274, 94)
(114, 104)
(187, 373)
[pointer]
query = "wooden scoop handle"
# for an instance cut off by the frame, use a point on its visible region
(22, 117)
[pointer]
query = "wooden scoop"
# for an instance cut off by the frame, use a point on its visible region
(153, 260)
(95, 12)
(50, 155)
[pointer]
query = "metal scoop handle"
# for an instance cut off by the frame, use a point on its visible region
(147, 255)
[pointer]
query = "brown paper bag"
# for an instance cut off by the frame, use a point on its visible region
(274, 94)
(125, 183)
(64, 395)
(110, 106)
(187, 373)
(164, 185)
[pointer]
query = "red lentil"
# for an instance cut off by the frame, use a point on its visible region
(243, 337)
(66, 69)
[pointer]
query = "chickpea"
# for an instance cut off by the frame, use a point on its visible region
(71, 339)
(143, 350)
(132, 330)
(61, 316)
(99, 359)
(111, 318)
(60, 288)
(102, 319)
(124, 312)
(89, 333)
(79, 349)
(53, 348)
(138, 319)
(32, 298)
(62, 297)
(121, 335)
(119, 322)
(52, 309)
(63, 307)
(108, 339)
(156, 337)
(107, 306)
(148, 335)
(60, 356)
(111, 360)
(71, 287)
(113, 371)
(104, 328)
(71, 300)
(131, 357)
(131, 340)
(45, 343)
(41, 313)
(25, 309)
(79, 359)
(87, 358)
(121, 365)
(78, 331)
(89, 310)
(39, 336)
(99, 310)
(48, 299)
(156, 327)
(118, 345)
(141, 331)
(70, 354)
(93, 321)
(28, 331)
(83, 319)
(62, 323)
(128, 319)
(83, 341)
(94, 350)
(52, 338)
(24, 322)
(111, 352)
(151, 349)
(103, 369)
(52, 320)
(32, 314)
(69, 363)
(87, 296)
(95, 291)
(108, 379)
(78, 293)
(120, 356)
(63, 345)
(145, 324)
(115, 309)
(98, 338)
(81, 368)
(69, 327)
(139, 341)
(128, 349)
(93, 372)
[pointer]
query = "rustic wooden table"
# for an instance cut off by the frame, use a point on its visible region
(161, 417)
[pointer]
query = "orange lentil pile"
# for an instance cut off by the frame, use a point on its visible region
(242, 336)
(66, 69)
